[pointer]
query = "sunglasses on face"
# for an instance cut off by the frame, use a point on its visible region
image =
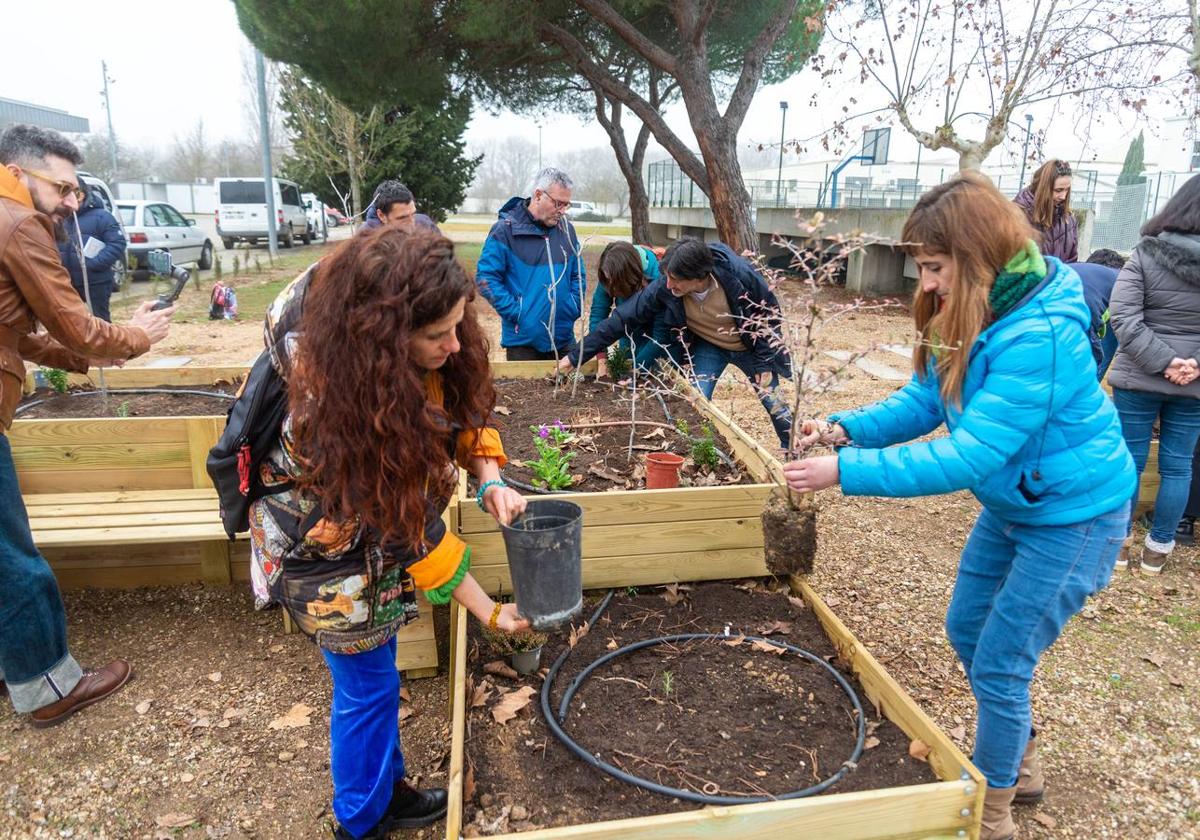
(65, 188)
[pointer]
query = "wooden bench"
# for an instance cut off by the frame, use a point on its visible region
(160, 537)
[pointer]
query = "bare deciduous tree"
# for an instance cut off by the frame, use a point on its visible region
(963, 68)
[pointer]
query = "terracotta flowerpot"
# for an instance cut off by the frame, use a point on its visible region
(662, 470)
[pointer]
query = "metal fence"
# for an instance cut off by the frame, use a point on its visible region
(1119, 209)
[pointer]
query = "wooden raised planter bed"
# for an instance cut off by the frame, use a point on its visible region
(633, 537)
(643, 537)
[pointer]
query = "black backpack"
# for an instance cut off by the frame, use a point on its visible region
(251, 431)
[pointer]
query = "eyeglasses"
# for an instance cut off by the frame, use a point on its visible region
(65, 188)
(558, 205)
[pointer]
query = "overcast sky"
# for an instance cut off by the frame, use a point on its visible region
(171, 69)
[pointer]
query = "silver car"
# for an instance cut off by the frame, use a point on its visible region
(155, 224)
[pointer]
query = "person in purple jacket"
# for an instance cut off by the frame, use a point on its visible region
(1047, 205)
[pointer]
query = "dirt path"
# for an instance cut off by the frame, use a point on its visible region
(1114, 698)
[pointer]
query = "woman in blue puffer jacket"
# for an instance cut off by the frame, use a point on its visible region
(1003, 360)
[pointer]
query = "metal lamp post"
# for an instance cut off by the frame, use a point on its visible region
(1025, 151)
(783, 106)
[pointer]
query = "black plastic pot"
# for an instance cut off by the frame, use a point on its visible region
(544, 558)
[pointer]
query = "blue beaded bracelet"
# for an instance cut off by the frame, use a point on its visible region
(483, 488)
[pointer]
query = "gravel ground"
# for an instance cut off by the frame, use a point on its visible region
(187, 749)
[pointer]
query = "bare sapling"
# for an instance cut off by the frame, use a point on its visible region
(818, 259)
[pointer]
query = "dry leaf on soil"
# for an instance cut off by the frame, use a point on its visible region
(469, 783)
(1155, 659)
(798, 603)
(606, 474)
(500, 669)
(174, 820)
(503, 409)
(871, 743)
(655, 433)
(919, 750)
(143, 707)
(215, 676)
(767, 647)
(736, 640)
(406, 712)
(577, 633)
(673, 593)
(296, 717)
(773, 627)
(612, 644)
(481, 694)
(959, 733)
(1046, 820)
(511, 703)
(404, 695)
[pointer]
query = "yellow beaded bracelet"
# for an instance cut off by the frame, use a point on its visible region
(495, 614)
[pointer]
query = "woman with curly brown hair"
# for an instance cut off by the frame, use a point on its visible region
(388, 388)
(1047, 205)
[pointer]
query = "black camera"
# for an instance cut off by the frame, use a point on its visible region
(160, 264)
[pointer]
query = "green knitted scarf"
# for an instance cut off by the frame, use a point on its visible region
(1019, 275)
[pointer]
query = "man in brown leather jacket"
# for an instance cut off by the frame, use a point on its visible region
(38, 191)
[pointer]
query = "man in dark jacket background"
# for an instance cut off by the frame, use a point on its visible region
(393, 205)
(95, 242)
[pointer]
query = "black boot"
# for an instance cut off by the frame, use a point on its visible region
(1185, 534)
(412, 808)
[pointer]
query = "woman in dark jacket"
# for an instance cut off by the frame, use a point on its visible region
(1155, 310)
(624, 270)
(94, 241)
(388, 390)
(1047, 205)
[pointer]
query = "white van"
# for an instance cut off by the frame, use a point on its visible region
(242, 211)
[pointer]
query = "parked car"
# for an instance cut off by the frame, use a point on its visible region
(97, 185)
(242, 211)
(154, 224)
(585, 211)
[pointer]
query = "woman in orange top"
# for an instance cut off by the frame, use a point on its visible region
(388, 390)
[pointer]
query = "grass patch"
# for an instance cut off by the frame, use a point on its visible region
(1184, 620)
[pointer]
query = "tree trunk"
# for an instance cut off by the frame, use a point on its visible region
(726, 190)
(639, 212)
(971, 159)
(355, 190)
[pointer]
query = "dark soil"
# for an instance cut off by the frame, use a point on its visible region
(86, 401)
(789, 537)
(735, 719)
(602, 452)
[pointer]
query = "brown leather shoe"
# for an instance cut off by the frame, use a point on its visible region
(997, 822)
(94, 686)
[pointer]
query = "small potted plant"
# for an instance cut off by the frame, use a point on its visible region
(523, 648)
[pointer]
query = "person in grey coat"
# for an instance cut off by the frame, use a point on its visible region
(1155, 310)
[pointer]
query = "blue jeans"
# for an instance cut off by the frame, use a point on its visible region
(1108, 349)
(34, 661)
(1178, 431)
(709, 362)
(1017, 587)
(364, 735)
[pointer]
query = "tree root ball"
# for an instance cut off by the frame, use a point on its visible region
(789, 537)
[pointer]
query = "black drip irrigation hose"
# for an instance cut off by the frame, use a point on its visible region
(555, 723)
(119, 391)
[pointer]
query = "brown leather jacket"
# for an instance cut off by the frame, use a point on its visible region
(34, 287)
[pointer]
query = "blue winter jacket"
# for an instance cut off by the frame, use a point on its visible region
(522, 266)
(1036, 439)
(650, 342)
(95, 223)
(749, 296)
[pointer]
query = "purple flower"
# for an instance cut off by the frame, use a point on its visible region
(558, 425)
(543, 432)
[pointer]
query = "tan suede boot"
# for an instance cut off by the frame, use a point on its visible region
(997, 821)
(1123, 554)
(1031, 782)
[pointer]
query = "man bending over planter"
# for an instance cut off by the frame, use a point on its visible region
(720, 311)
(38, 192)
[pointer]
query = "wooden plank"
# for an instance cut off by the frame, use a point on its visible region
(945, 758)
(127, 577)
(458, 715)
(640, 569)
(416, 643)
(148, 377)
(682, 536)
(642, 506)
(121, 536)
(118, 496)
(101, 431)
(928, 812)
(214, 562)
(202, 435)
(81, 557)
(40, 521)
(38, 510)
(60, 481)
(91, 456)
